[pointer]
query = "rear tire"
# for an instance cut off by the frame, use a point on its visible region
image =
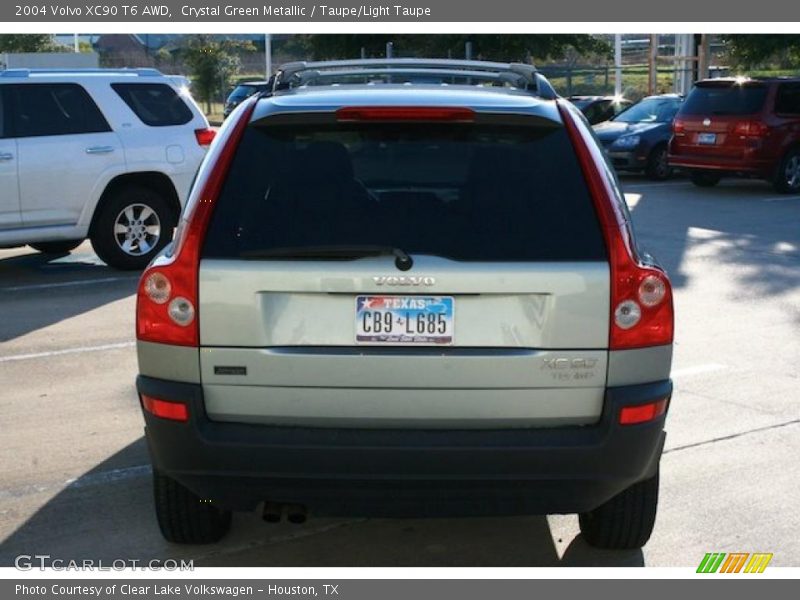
(183, 517)
(626, 521)
(705, 179)
(133, 225)
(59, 247)
(787, 177)
(657, 167)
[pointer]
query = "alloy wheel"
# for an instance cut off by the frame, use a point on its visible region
(137, 229)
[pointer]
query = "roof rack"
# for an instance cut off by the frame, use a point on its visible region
(23, 73)
(520, 75)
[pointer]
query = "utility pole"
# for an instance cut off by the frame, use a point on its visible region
(389, 49)
(617, 64)
(685, 62)
(704, 56)
(652, 64)
(268, 55)
(75, 43)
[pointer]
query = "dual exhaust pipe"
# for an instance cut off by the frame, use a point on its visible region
(274, 512)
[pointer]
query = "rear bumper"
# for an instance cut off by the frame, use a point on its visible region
(750, 165)
(363, 472)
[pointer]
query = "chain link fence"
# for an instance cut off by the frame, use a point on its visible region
(589, 80)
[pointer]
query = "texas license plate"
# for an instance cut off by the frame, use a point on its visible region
(708, 139)
(404, 320)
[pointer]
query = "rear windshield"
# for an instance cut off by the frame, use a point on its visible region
(650, 110)
(581, 104)
(156, 104)
(242, 91)
(466, 192)
(725, 100)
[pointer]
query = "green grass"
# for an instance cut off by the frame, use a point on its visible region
(215, 116)
(634, 83)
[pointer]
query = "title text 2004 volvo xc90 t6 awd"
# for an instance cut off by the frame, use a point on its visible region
(405, 299)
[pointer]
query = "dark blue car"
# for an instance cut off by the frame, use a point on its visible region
(637, 138)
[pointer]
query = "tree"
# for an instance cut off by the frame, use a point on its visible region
(212, 63)
(749, 50)
(27, 42)
(513, 48)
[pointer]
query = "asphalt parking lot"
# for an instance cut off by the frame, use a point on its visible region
(75, 484)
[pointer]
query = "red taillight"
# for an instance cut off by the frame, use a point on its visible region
(641, 295)
(403, 113)
(750, 128)
(631, 415)
(678, 127)
(166, 302)
(205, 136)
(174, 411)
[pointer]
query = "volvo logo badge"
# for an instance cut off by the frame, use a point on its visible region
(403, 280)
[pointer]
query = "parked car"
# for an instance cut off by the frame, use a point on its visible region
(100, 154)
(242, 92)
(637, 138)
(748, 127)
(405, 300)
(598, 109)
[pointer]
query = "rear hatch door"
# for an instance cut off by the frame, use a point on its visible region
(309, 314)
(716, 119)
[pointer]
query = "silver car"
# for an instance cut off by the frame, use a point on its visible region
(405, 288)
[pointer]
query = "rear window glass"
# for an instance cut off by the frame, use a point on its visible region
(581, 104)
(45, 109)
(243, 91)
(725, 100)
(650, 110)
(156, 104)
(788, 100)
(464, 192)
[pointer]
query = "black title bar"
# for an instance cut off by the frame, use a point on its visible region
(435, 11)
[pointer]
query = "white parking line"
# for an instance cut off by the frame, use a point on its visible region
(635, 186)
(698, 369)
(780, 198)
(78, 350)
(60, 284)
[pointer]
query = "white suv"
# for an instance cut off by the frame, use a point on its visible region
(102, 154)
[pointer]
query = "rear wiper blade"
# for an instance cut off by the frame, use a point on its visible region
(335, 251)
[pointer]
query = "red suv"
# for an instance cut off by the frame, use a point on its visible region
(740, 126)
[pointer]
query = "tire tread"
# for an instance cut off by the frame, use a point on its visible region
(624, 522)
(183, 518)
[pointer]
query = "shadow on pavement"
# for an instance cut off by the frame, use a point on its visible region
(55, 288)
(732, 221)
(107, 514)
